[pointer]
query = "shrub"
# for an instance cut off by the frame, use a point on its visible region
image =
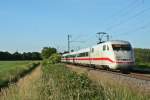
(54, 58)
(47, 52)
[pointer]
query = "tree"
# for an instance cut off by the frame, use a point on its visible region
(47, 52)
(55, 58)
(17, 56)
(36, 56)
(31, 56)
(142, 55)
(5, 56)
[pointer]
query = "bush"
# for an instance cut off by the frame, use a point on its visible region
(47, 52)
(54, 58)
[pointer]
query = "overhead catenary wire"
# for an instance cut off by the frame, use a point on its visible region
(70, 41)
(138, 29)
(135, 30)
(131, 5)
(124, 11)
(128, 19)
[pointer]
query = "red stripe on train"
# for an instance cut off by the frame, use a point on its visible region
(105, 59)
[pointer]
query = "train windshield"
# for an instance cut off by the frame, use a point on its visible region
(122, 47)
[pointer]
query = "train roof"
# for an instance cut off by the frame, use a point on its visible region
(117, 42)
(112, 42)
(106, 42)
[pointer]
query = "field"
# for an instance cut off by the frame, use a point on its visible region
(57, 82)
(10, 70)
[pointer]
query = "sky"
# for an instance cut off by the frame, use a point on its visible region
(30, 25)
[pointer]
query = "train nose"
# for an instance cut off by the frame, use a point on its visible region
(124, 55)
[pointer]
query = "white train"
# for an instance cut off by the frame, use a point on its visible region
(115, 54)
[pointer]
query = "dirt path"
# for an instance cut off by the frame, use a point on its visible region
(25, 82)
(24, 89)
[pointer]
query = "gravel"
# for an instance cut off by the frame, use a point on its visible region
(135, 84)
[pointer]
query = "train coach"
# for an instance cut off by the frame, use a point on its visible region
(114, 54)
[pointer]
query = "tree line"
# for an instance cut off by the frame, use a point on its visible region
(44, 54)
(142, 55)
(20, 56)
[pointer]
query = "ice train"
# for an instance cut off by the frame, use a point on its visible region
(114, 54)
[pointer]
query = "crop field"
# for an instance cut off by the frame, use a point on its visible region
(12, 69)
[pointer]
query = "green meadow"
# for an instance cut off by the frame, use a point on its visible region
(10, 70)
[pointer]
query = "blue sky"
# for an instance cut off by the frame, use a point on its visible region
(29, 25)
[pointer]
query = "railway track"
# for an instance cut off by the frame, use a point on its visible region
(136, 81)
(141, 76)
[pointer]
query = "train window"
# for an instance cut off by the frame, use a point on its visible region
(86, 54)
(123, 47)
(92, 49)
(83, 54)
(74, 55)
(80, 55)
(68, 56)
(107, 47)
(104, 47)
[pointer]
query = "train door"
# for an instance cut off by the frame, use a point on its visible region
(106, 61)
(94, 56)
(100, 55)
(91, 56)
(74, 58)
(104, 50)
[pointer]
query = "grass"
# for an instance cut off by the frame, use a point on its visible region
(10, 70)
(57, 82)
(26, 88)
